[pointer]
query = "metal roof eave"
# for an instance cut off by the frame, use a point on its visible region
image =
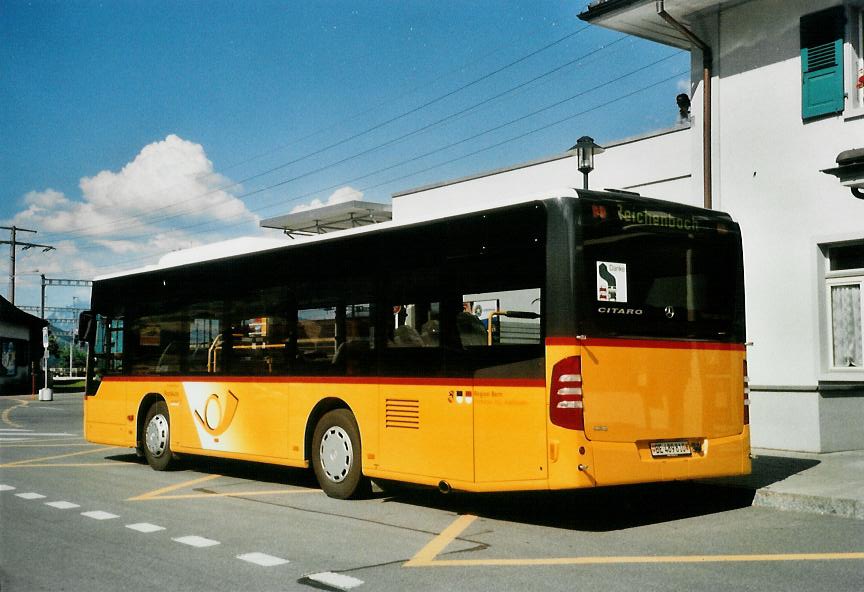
(640, 18)
(634, 17)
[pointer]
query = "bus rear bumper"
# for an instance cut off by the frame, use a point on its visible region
(622, 463)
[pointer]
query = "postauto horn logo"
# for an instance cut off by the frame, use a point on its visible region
(218, 413)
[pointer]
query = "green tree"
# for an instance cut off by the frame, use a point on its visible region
(53, 346)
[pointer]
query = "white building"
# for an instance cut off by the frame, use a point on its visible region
(786, 99)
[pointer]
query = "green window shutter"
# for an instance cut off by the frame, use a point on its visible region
(822, 90)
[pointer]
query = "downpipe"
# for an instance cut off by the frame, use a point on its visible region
(707, 59)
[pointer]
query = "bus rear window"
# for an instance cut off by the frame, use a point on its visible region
(661, 274)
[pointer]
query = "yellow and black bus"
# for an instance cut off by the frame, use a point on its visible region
(579, 341)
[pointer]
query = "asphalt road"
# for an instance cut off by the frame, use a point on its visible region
(77, 516)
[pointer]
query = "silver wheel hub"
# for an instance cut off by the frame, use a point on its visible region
(337, 454)
(156, 436)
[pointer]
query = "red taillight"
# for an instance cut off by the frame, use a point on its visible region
(746, 396)
(565, 400)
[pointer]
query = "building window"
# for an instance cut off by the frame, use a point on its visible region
(855, 57)
(822, 87)
(844, 285)
(845, 301)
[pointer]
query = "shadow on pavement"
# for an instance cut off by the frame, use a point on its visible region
(238, 469)
(599, 510)
(766, 471)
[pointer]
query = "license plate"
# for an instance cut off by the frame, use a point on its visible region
(670, 449)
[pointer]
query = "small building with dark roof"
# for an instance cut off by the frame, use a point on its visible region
(20, 349)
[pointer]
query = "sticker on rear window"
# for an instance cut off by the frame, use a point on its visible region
(611, 281)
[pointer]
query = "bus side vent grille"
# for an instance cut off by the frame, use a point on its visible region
(402, 413)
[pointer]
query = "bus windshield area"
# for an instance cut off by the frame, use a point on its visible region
(661, 274)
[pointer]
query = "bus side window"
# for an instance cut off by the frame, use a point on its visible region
(255, 336)
(316, 340)
(471, 329)
(414, 325)
(157, 343)
(205, 339)
(337, 340)
(507, 317)
(412, 341)
(109, 346)
(355, 338)
(500, 335)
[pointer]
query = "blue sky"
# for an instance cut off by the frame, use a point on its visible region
(133, 128)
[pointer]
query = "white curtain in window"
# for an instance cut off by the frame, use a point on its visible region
(846, 325)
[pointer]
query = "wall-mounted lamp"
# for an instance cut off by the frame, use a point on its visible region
(850, 171)
(585, 151)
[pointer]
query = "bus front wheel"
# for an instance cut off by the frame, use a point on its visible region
(157, 437)
(336, 456)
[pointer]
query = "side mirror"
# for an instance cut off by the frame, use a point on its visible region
(86, 326)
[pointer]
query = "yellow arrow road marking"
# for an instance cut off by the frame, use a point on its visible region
(37, 445)
(227, 494)
(36, 442)
(35, 461)
(427, 556)
(106, 464)
(5, 415)
(160, 494)
(645, 559)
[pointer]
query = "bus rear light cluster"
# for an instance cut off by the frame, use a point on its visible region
(746, 396)
(565, 401)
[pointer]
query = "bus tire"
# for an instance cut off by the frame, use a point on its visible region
(336, 456)
(156, 437)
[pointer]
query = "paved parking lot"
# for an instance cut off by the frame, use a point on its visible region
(78, 516)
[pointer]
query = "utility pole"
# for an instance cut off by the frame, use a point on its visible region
(13, 249)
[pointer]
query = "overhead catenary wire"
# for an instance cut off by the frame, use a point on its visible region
(480, 134)
(424, 85)
(498, 144)
(403, 162)
(88, 229)
(282, 202)
(133, 222)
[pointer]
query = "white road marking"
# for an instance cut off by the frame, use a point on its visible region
(62, 505)
(30, 496)
(196, 541)
(262, 559)
(145, 527)
(335, 580)
(331, 579)
(99, 515)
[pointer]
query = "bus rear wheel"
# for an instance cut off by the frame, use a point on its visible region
(336, 456)
(157, 437)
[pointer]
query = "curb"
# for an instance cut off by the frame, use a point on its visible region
(845, 508)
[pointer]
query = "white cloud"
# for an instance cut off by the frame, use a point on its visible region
(172, 176)
(341, 195)
(169, 183)
(118, 246)
(167, 198)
